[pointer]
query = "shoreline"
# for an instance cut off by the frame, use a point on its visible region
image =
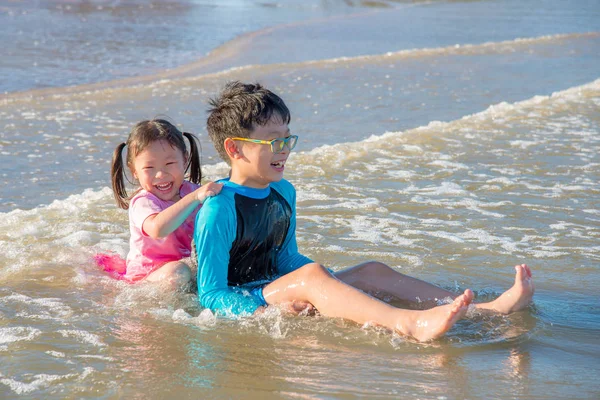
(218, 57)
(214, 62)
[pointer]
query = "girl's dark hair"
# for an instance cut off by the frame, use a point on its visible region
(143, 134)
(239, 109)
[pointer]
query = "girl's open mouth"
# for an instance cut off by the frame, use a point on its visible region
(164, 187)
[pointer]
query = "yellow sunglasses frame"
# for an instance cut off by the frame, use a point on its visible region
(270, 142)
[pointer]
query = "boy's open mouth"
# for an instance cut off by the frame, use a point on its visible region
(164, 187)
(278, 164)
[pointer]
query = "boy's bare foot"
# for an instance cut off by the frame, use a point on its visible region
(517, 297)
(435, 322)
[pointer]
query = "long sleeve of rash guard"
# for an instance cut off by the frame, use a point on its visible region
(213, 236)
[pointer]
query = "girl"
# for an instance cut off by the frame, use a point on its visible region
(163, 209)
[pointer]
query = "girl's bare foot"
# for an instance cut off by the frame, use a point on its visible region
(517, 297)
(435, 322)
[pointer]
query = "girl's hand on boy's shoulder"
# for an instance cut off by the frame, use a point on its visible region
(208, 190)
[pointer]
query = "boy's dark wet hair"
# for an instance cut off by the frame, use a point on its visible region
(239, 109)
(141, 136)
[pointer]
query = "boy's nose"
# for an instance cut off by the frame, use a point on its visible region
(285, 149)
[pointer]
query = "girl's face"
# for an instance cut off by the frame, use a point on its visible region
(160, 169)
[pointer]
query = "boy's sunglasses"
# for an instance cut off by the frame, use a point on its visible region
(277, 145)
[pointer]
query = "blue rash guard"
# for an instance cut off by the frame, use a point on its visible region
(245, 238)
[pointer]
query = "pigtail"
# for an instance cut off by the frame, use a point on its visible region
(193, 166)
(117, 172)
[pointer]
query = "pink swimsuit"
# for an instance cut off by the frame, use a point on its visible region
(146, 254)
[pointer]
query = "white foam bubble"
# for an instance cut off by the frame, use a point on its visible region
(206, 318)
(368, 230)
(449, 165)
(78, 238)
(42, 308)
(522, 144)
(592, 211)
(502, 180)
(311, 194)
(57, 354)
(561, 226)
(18, 334)
(82, 336)
(95, 357)
(215, 171)
(334, 248)
(40, 381)
(546, 253)
(452, 237)
(444, 189)
(181, 315)
(400, 174)
(484, 237)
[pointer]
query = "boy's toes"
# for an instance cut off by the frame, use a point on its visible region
(468, 297)
(527, 270)
(521, 273)
(463, 300)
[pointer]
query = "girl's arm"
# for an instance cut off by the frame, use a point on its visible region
(161, 224)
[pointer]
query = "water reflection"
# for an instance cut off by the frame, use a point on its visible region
(518, 366)
(157, 355)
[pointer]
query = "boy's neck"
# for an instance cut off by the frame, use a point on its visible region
(242, 180)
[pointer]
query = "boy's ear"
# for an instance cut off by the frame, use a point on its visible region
(231, 148)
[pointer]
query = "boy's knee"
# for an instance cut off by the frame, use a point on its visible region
(375, 268)
(315, 269)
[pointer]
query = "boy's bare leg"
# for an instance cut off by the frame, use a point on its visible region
(378, 278)
(333, 298)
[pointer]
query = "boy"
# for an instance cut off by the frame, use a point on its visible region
(245, 238)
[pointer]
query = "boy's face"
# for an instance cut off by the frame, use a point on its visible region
(258, 166)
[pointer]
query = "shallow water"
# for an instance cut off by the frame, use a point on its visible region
(449, 163)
